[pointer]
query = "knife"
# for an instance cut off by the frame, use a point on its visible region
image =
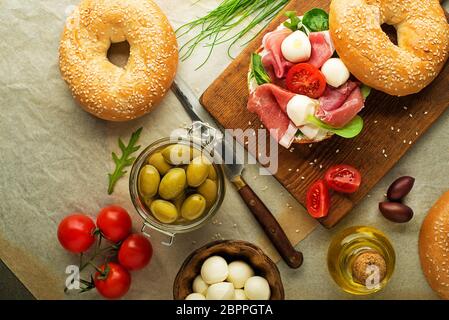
(233, 171)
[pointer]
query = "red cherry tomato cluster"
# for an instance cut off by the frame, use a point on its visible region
(340, 178)
(78, 232)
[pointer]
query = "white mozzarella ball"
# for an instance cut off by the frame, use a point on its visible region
(199, 286)
(239, 272)
(239, 294)
(257, 288)
(296, 47)
(335, 72)
(214, 270)
(299, 108)
(220, 291)
(195, 296)
(313, 132)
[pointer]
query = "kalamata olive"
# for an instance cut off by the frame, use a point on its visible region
(400, 188)
(395, 211)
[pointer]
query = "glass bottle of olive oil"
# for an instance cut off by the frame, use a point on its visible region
(361, 260)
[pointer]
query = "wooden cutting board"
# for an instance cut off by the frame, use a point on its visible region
(392, 126)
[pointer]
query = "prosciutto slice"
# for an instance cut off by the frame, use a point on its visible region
(339, 106)
(322, 48)
(269, 102)
(273, 61)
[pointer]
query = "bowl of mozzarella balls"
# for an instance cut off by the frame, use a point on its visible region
(228, 270)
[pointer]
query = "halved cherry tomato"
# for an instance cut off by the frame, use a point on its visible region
(343, 178)
(318, 200)
(135, 252)
(114, 223)
(305, 79)
(113, 282)
(76, 232)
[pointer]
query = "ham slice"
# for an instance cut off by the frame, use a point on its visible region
(322, 48)
(273, 60)
(339, 106)
(269, 102)
(333, 98)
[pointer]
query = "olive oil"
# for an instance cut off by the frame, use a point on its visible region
(348, 246)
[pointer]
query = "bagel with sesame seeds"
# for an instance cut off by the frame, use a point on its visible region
(399, 70)
(103, 89)
(434, 246)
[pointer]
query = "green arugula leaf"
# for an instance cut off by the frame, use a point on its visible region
(124, 160)
(258, 71)
(366, 90)
(316, 20)
(349, 131)
(294, 23)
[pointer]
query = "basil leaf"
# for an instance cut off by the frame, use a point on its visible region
(349, 131)
(258, 71)
(316, 20)
(294, 23)
(366, 90)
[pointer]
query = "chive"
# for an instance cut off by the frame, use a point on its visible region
(218, 26)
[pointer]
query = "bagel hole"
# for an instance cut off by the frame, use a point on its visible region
(391, 32)
(118, 53)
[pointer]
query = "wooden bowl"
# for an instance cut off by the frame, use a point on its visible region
(230, 250)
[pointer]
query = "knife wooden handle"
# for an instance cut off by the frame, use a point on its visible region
(269, 224)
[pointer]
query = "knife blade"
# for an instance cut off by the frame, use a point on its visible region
(233, 168)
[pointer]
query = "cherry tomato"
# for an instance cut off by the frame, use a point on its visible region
(318, 200)
(305, 79)
(114, 223)
(343, 178)
(76, 232)
(114, 283)
(135, 252)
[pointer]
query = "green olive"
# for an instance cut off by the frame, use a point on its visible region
(149, 179)
(172, 184)
(178, 154)
(164, 211)
(148, 201)
(158, 161)
(179, 201)
(212, 173)
(193, 207)
(209, 191)
(197, 171)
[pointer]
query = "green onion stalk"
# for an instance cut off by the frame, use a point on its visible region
(218, 26)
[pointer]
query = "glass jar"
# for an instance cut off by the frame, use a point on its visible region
(361, 246)
(205, 144)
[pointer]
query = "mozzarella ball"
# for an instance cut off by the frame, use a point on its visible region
(239, 294)
(299, 107)
(195, 296)
(199, 286)
(335, 72)
(257, 288)
(296, 47)
(239, 272)
(214, 270)
(220, 291)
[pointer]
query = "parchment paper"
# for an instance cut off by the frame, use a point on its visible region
(55, 158)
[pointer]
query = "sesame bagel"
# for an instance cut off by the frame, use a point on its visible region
(434, 246)
(102, 88)
(402, 69)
